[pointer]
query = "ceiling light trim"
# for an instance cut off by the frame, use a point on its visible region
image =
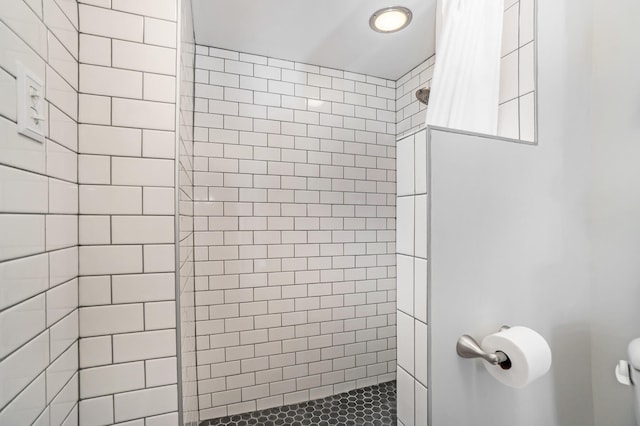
(373, 21)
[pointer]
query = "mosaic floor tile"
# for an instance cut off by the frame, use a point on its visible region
(371, 406)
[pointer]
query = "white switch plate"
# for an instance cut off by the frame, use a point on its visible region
(31, 104)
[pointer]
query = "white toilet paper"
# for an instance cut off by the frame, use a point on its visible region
(528, 352)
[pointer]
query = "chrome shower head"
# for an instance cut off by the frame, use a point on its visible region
(423, 95)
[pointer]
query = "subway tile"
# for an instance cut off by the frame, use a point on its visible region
(108, 140)
(94, 230)
(527, 117)
(62, 61)
(96, 411)
(509, 77)
(99, 320)
(61, 300)
(63, 129)
(405, 332)
(22, 191)
(421, 405)
(23, 235)
(146, 402)
(405, 231)
(94, 169)
(63, 265)
(142, 172)
(162, 9)
(526, 80)
(420, 289)
(508, 120)
(30, 314)
(22, 366)
(160, 32)
(159, 258)
(143, 288)
(143, 114)
(405, 284)
(94, 109)
(405, 176)
(61, 162)
(527, 21)
(421, 352)
(95, 351)
(158, 144)
(168, 419)
(60, 25)
(159, 315)
(97, 199)
(405, 395)
(143, 57)
(209, 63)
(63, 197)
(64, 405)
(26, 407)
(99, 260)
(110, 23)
(158, 201)
(99, 381)
(420, 227)
(144, 345)
(23, 278)
(60, 371)
(59, 93)
(161, 88)
(26, 24)
(161, 372)
(95, 50)
(100, 80)
(510, 29)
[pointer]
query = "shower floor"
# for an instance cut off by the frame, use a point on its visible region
(374, 405)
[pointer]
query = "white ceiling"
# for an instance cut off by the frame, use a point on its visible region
(330, 33)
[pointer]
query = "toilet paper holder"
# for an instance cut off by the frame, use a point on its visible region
(468, 347)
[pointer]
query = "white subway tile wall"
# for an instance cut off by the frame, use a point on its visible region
(294, 175)
(410, 112)
(516, 110)
(412, 281)
(127, 177)
(185, 208)
(39, 219)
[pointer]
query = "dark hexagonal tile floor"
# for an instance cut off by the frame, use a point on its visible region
(371, 406)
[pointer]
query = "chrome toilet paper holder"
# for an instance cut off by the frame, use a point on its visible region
(468, 347)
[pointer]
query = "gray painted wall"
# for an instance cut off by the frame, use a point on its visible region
(615, 201)
(557, 283)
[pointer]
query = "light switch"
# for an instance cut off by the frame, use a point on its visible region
(31, 105)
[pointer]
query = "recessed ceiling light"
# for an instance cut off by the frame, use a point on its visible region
(390, 19)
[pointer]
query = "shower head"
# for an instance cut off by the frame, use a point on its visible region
(423, 95)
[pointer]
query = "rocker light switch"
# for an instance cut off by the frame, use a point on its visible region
(31, 105)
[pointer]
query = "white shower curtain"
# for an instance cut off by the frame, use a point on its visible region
(466, 80)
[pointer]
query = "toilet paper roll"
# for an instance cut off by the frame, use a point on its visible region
(528, 352)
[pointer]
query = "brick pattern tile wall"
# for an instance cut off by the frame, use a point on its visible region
(185, 197)
(127, 147)
(412, 262)
(294, 231)
(39, 219)
(411, 113)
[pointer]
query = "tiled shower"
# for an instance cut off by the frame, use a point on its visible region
(206, 232)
